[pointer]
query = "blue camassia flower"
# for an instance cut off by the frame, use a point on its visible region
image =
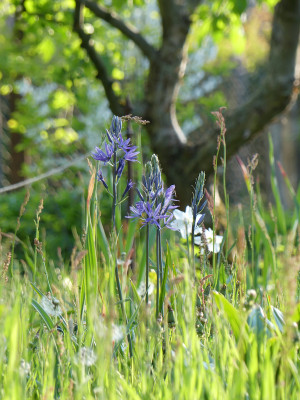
(147, 213)
(116, 144)
(116, 149)
(104, 156)
(156, 213)
(131, 154)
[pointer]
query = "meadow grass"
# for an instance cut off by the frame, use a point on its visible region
(231, 333)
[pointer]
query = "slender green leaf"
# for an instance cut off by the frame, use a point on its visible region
(43, 314)
(163, 287)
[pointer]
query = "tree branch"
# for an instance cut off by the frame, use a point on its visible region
(271, 98)
(129, 31)
(102, 75)
(276, 90)
(173, 12)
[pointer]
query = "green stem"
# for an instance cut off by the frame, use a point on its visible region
(157, 274)
(187, 244)
(119, 288)
(35, 249)
(114, 189)
(213, 216)
(225, 195)
(147, 263)
(160, 265)
(253, 264)
(47, 277)
(123, 307)
(193, 250)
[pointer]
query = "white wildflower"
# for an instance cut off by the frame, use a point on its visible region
(209, 237)
(142, 289)
(184, 221)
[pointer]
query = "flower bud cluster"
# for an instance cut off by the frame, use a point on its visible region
(197, 208)
(156, 204)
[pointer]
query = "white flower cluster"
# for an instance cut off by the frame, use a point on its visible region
(183, 223)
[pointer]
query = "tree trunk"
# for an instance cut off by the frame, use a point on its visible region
(183, 159)
(17, 156)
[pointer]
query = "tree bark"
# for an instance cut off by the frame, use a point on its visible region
(183, 159)
(17, 156)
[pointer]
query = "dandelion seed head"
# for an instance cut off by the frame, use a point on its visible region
(67, 284)
(87, 356)
(51, 307)
(118, 332)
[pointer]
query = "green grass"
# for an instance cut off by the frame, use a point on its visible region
(240, 342)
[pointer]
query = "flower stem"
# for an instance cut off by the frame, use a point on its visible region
(157, 273)
(147, 264)
(160, 265)
(193, 250)
(114, 189)
(119, 288)
(187, 243)
(123, 308)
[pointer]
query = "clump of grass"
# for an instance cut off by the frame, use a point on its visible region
(200, 325)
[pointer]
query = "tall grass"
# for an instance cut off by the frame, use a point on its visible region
(233, 333)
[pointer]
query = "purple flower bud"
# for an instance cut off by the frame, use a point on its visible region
(202, 207)
(116, 126)
(100, 178)
(139, 194)
(129, 185)
(109, 137)
(201, 219)
(120, 168)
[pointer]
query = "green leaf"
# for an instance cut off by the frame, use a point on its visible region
(103, 242)
(296, 315)
(43, 314)
(239, 6)
(259, 323)
(275, 190)
(130, 234)
(278, 317)
(63, 99)
(41, 294)
(46, 49)
(232, 315)
(135, 293)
